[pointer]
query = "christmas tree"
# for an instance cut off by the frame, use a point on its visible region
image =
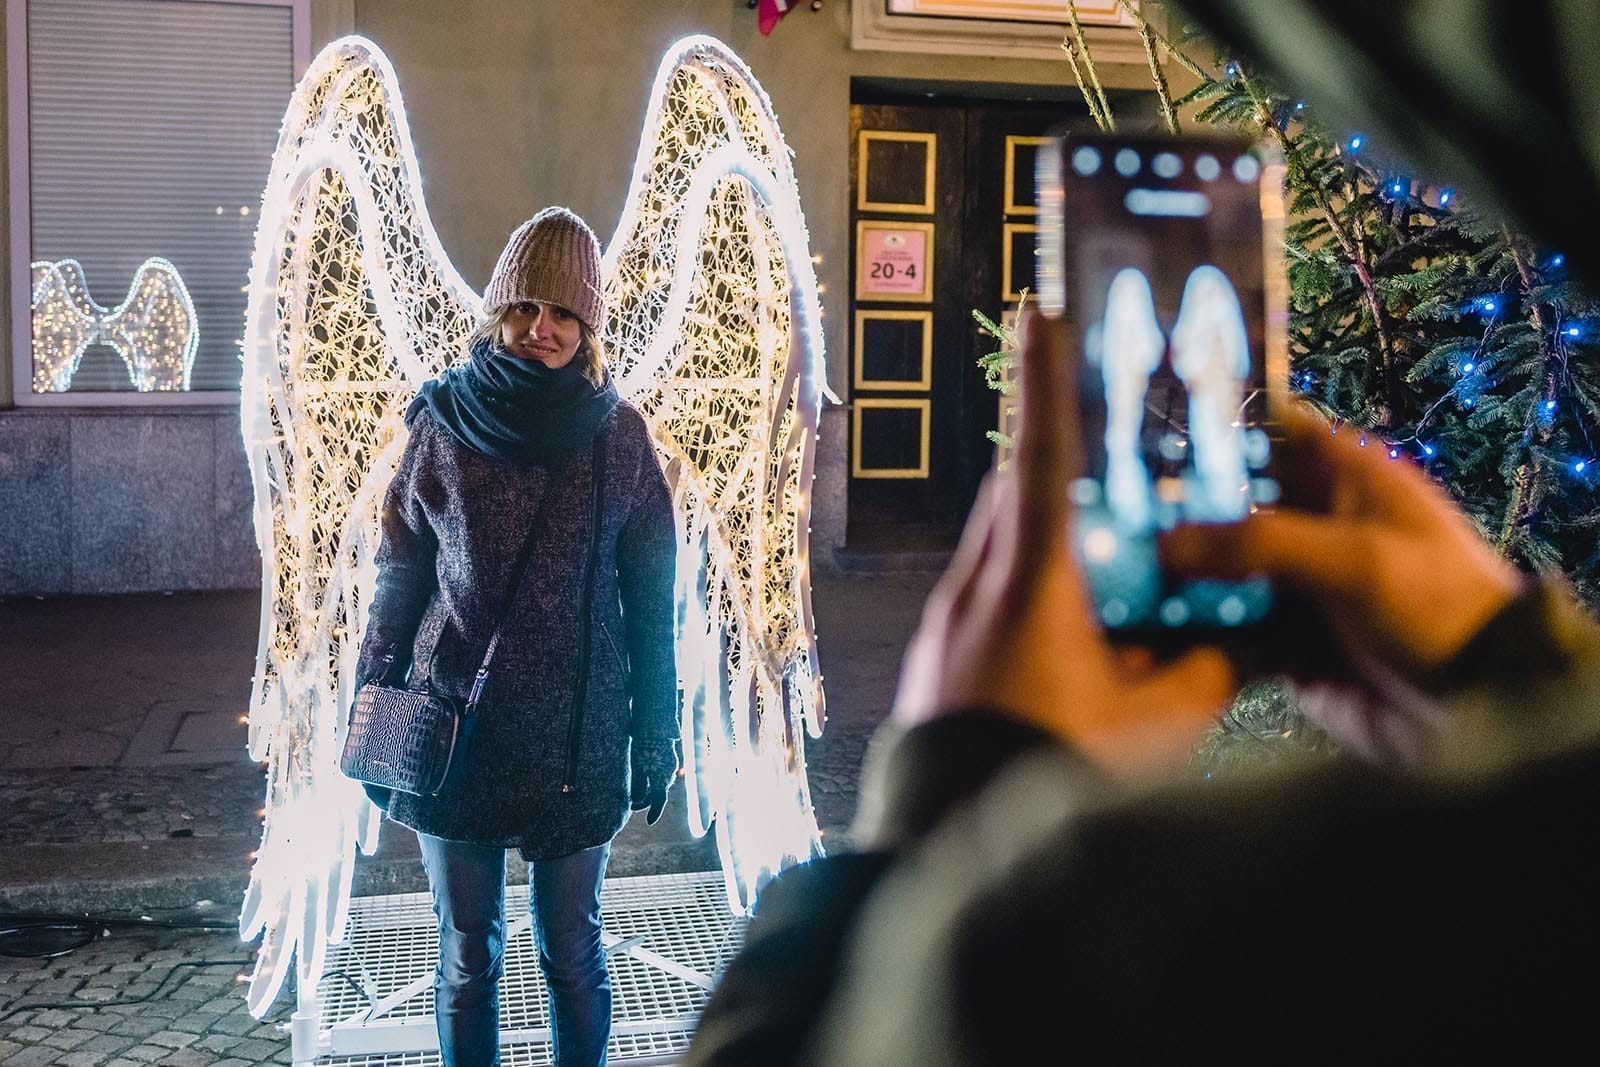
(1429, 329)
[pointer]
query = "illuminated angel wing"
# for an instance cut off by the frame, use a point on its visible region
(352, 301)
(715, 333)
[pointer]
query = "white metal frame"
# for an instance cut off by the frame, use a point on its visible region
(396, 1023)
(21, 235)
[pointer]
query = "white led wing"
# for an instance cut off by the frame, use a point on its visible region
(716, 332)
(353, 304)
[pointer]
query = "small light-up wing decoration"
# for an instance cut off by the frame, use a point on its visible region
(154, 330)
(715, 334)
(353, 304)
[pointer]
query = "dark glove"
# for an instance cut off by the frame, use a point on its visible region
(655, 763)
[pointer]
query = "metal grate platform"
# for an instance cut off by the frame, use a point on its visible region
(667, 936)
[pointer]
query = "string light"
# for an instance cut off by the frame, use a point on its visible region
(155, 330)
(714, 331)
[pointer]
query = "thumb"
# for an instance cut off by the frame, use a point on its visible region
(658, 802)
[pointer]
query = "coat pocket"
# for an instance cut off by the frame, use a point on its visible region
(616, 652)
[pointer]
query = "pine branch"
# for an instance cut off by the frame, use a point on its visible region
(1163, 91)
(1535, 431)
(1084, 73)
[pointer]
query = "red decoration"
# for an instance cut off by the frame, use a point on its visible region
(771, 11)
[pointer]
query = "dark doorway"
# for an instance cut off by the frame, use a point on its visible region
(943, 222)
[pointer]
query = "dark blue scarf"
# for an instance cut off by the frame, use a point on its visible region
(517, 410)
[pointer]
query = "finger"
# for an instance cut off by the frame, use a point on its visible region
(972, 548)
(1321, 555)
(1161, 714)
(1319, 460)
(1042, 461)
(658, 804)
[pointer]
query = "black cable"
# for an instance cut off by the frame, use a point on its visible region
(350, 981)
(17, 1009)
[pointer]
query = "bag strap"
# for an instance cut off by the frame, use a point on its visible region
(520, 567)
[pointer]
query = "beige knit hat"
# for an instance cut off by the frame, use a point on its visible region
(553, 258)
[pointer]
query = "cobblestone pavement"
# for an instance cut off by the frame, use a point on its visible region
(89, 785)
(138, 997)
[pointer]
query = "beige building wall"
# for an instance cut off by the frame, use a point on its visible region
(513, 104)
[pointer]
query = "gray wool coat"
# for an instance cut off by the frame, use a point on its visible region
(537, 773)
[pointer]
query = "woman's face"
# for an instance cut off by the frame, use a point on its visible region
(543, 332)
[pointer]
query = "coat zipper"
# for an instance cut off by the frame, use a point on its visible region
(580, 695)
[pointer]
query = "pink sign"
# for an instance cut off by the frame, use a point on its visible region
(894, 261)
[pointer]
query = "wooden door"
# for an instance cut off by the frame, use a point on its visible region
(943, 222)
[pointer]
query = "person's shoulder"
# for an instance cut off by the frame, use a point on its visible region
(629, 420)
(629, 430)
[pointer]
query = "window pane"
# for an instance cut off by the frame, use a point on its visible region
(151, 128)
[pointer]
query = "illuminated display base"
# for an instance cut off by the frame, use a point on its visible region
(667, 937)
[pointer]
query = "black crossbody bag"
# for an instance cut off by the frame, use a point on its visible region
(407, 738)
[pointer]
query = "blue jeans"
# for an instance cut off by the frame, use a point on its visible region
(468, 884)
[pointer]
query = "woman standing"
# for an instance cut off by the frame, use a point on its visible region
(528, 443)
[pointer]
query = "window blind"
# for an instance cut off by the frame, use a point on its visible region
(151, 125)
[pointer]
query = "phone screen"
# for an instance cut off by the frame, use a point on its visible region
(1157, 252)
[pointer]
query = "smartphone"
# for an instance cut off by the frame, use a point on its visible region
(1165, 256)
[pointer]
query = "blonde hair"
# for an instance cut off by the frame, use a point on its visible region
(591, 355)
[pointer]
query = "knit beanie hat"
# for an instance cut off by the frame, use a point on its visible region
(553, 258)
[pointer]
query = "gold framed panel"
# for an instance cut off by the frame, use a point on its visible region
(1008, 291)
(1008, 206)
(924, 382)
(863, 227)
(860, 404)
(864, 158)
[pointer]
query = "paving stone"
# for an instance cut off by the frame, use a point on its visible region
(81, 1058)
(54, 1017)
(30, 1035)
(172, 1039)
(140, 1026)
(254, 1048)
(6, 1049)
(100, 1019)
(98, 993)
(105, 1043)
(67, 1040)
(148, 1053)
(187, 1057)
(34, 1056)
(236, 1025)
(55, 988)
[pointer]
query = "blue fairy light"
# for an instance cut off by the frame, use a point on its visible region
(1466, 368)
(1427, 450)
(1549, 405)
(1557, 260)
(1444, 197)
(1490, 304)
(1356, 142)
(1573, 331)
(1299, 105)
(1232, 70)
(1579, 466)
(1394, 453)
